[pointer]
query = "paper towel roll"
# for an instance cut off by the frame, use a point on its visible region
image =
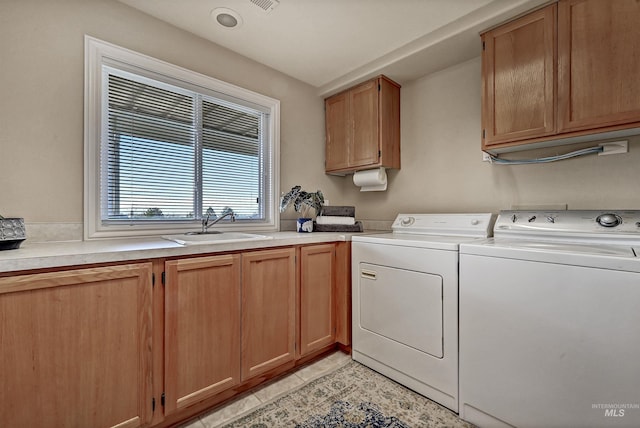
(371, 180)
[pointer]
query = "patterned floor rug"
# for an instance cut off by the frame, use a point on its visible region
(352, 397)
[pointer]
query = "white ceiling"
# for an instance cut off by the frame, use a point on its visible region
(331, 44)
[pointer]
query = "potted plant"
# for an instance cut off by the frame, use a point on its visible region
(303, 202)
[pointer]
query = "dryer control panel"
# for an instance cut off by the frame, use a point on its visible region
(480, 224)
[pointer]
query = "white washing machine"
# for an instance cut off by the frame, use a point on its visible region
(405, 300)
(550, 321)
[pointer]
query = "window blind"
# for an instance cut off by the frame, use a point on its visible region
(231, 160)
(175, 154)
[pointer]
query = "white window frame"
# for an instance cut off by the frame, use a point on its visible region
(99, 53)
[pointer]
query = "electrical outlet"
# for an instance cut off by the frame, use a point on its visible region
(614, 148)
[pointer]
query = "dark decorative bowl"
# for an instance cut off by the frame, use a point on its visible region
(12, 233)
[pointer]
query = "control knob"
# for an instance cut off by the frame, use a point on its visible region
(407, 221)
(609, 220)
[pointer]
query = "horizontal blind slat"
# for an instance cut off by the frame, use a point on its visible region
(151, 159)
(151, 152)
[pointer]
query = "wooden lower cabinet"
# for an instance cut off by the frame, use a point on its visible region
(75, 348)
(317, 297)
(202, 328)
(268, 310)
(101, 347)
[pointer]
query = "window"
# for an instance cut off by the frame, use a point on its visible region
(167, 147)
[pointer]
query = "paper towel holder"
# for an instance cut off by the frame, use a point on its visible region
(371, 180)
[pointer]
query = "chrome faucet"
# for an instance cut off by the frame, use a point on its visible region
(206, 225)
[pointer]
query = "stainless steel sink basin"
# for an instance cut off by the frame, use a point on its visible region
(215, 238)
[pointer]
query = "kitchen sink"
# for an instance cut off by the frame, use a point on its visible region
(214, 238)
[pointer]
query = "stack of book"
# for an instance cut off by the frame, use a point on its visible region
(334, 218)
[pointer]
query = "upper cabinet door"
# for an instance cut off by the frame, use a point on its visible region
(338, 127)
(518, 69)
(599, 63)
(364, 120)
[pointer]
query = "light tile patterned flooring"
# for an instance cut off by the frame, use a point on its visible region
(270, 391)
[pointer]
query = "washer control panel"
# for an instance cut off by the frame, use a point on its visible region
(570, 223)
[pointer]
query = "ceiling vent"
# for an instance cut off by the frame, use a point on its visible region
(266, 5)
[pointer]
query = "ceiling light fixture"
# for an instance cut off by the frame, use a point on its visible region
(226, 17)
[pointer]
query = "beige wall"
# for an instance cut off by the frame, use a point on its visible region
(41, 125)
(41, 110)
(442, 168)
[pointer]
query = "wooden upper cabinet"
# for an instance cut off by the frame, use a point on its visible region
(363, 127)
(564, 73)
(268, 310)
(75, 348)
(599, 63)
(202, 328)
(317, 297)
(518, 75)
(337, 129)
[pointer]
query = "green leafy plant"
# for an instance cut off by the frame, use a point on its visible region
(303, 202)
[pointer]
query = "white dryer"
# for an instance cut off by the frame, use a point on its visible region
(405, 300)
(550, 321)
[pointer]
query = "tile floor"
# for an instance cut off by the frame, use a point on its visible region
(270, 391)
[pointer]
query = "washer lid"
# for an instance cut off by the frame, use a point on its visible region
(566, 247)
(588, 254)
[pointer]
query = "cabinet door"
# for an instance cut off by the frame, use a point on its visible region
(599, 63)
(338, 132)
(202, 328)
(317, 297)
(75, 348)
(268, 310)
(343, 293)
(364, 113)
(518, 76)
(389, 123)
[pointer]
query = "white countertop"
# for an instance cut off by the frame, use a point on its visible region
(59, 254)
